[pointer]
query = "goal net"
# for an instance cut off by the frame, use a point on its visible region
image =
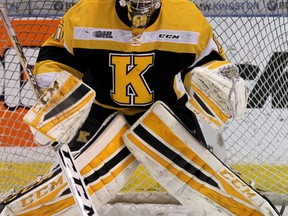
(254, 35)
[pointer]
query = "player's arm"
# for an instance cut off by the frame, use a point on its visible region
(57, 72)
(54, 57)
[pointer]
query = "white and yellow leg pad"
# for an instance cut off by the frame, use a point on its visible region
(105, 166)
(61, 110)
(189, 171)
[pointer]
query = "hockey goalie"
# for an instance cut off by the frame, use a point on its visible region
(157, 69)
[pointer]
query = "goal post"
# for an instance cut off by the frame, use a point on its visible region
(254, 35)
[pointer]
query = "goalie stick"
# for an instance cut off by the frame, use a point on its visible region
(65, 158)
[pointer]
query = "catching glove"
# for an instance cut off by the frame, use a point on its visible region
(217, 92)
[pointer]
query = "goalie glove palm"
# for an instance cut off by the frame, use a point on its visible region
(61, 110)
(217, 92)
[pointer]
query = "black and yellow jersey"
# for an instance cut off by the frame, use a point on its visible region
(129, 73)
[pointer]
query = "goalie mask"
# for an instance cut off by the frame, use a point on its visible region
(140, 11)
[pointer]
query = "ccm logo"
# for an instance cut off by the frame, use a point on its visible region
(45, 190)
(231, 178)
(170, 36)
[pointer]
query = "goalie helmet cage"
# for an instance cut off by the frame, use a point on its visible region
(253, 35)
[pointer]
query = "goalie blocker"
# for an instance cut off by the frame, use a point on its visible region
(188, 170)
(67, 104)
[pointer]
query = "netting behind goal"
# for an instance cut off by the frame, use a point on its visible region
(254, 35)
